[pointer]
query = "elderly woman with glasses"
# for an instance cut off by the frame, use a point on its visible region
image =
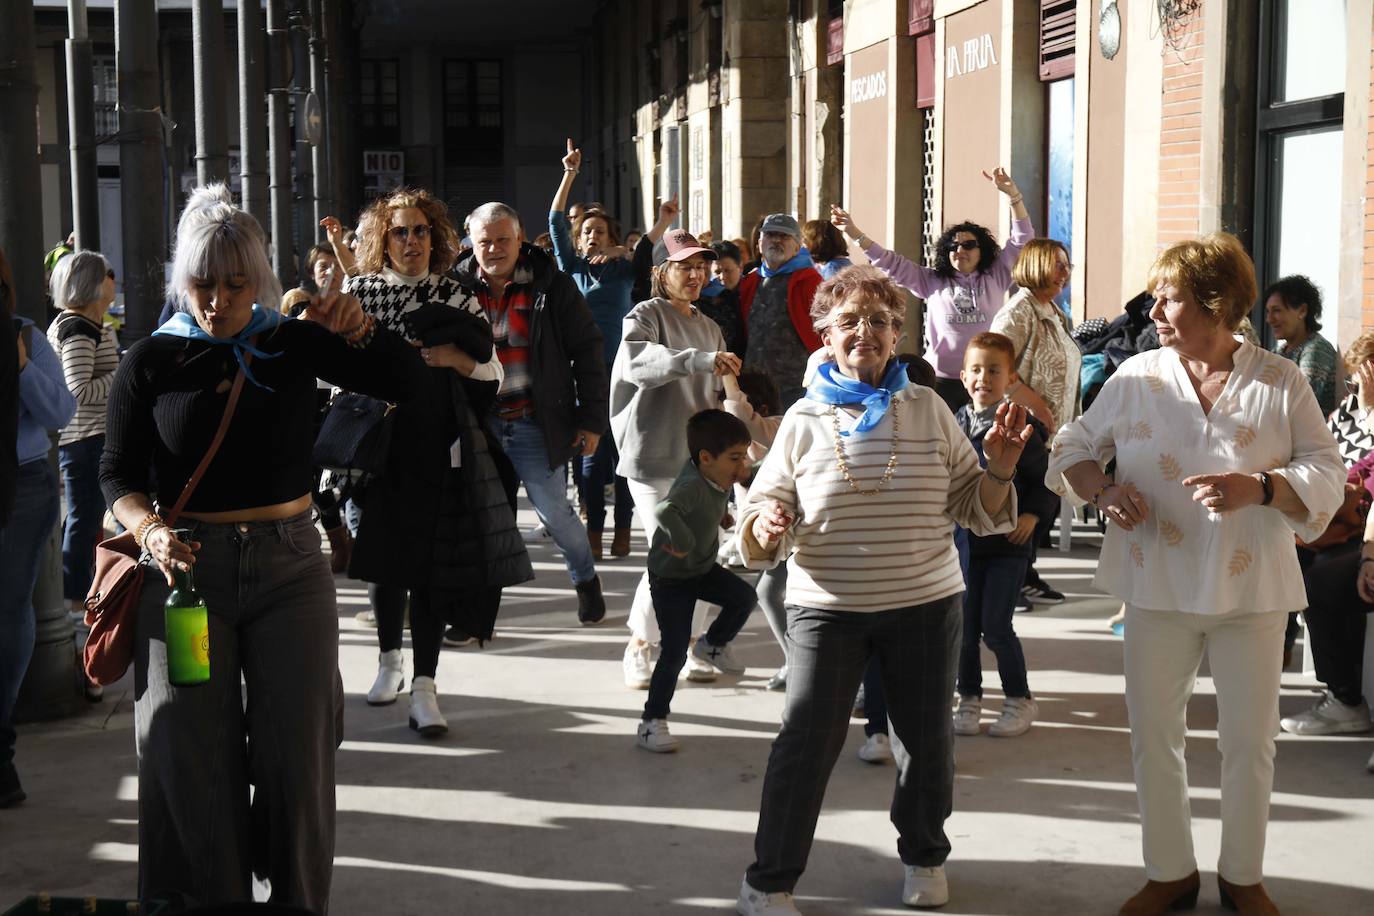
(236, 776)
(83, 287)
(668, 368)
(438, 524)
(965, 288)
(859, 495)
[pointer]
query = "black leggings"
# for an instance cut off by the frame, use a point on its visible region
(426, 627)
(1336, 618)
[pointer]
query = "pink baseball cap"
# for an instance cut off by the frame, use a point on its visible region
(679, 245)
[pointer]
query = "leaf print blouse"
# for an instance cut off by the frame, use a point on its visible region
(1183, 557)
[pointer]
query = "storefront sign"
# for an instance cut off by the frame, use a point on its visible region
(387, 162)
(975, 54)
(866, 88)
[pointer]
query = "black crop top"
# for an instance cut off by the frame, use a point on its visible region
(169, 395)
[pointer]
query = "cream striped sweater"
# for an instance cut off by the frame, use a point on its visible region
(851, 552)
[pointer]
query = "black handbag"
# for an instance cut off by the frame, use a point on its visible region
(355, 435)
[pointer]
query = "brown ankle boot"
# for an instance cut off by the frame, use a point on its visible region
(1159, 897)
(1246, 899)
(340, 548)
(620, 543)
(594, 539)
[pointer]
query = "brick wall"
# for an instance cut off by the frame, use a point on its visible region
(1180, 137)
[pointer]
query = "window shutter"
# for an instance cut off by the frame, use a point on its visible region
(1057, 37)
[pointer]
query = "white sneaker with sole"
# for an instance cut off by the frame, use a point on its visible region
(425, 717)
(367, 618)
(1329, 717)
(719, 657)
(925, 887)
(967, 718)
(699, 671)
(391, 677)
(1017, 715)
(653, 735)
(756, 903)
(638, 665)
(877, 749)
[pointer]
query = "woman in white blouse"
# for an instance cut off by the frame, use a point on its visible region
(859, 495)
(1221, 456)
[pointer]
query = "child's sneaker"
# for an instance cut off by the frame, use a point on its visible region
(638, 665)
(967, 717)
(654, 736)
(756, 903)
(877, 749)
(720, 657)
(1017, 715)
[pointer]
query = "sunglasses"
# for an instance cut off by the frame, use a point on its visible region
(967, 245)
(400, 233)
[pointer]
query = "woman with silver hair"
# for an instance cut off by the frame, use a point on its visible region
(83, 286)
(248, 532)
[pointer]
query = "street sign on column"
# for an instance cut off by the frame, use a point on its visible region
(312, 120)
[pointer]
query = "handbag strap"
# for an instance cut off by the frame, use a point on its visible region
(191, 484)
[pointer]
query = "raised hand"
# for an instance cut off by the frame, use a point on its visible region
(841, 220)
(333, 230)
(572, 162)
(1002, 180)
(1003, 444)
(668, 210)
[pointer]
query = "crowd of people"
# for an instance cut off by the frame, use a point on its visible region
(745, 403)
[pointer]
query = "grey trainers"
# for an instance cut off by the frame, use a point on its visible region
(1329, 717)
(1017, 715)
(719, 657)
(967, 717)
(756, 903)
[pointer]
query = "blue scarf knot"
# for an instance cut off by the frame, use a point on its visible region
(183, 325)
(799, 261)
(831, 387)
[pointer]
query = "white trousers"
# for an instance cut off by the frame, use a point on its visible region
(1162, 652)
(647, 494)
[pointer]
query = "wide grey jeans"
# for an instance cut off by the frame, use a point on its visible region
(917, 649)
(273, 627)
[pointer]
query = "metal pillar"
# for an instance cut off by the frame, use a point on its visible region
(207, 42)
(252, 109)
(279, 138)
(306, 225)
(319, 84)
(142, 175)
(50, 687)
(81, 130)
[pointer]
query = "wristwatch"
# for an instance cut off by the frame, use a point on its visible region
(1268, 483)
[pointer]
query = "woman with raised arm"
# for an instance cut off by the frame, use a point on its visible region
(965, 288)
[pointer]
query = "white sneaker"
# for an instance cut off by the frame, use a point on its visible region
(1329, 717)
(425, 717)
(638, 665)
(391, 678)
(1017, 715)
(367, 618)
(756, 903)
(653, 735)
(536, 535)
(967, 717)
(877, 749)
(925, 887)
(719, 657)
(699, 671)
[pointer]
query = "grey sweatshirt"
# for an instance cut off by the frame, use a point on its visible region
(662, 376)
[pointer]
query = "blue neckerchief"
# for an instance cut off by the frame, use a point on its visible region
(713, 289)
(800, 261)
(830, 387)
(183, 325)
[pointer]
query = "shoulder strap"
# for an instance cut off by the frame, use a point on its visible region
(191, 484)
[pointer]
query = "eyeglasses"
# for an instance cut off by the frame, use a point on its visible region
(848, 322)
(399, 233)
(966, 245)
(689, 268)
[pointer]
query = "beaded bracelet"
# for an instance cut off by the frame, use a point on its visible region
(145, 527)
(361, 336)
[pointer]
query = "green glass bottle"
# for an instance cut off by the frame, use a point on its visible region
(188, 633)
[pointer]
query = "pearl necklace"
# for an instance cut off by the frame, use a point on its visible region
(843, 461)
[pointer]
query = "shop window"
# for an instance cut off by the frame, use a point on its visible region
(473, 118)
(379, 109)
(1058, 20)
(1059, 162)
(1300, 143)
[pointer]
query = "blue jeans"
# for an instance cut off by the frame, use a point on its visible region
(674, 602)
(993, 584)
(523, 442)
(80, 464)
(21, 545)
(597, 471)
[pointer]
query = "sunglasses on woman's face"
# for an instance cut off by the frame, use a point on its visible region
(967, 245)
(399, 233)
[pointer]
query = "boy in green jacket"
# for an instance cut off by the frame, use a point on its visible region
(683, 567)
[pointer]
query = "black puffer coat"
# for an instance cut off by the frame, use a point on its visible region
(426, 524)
